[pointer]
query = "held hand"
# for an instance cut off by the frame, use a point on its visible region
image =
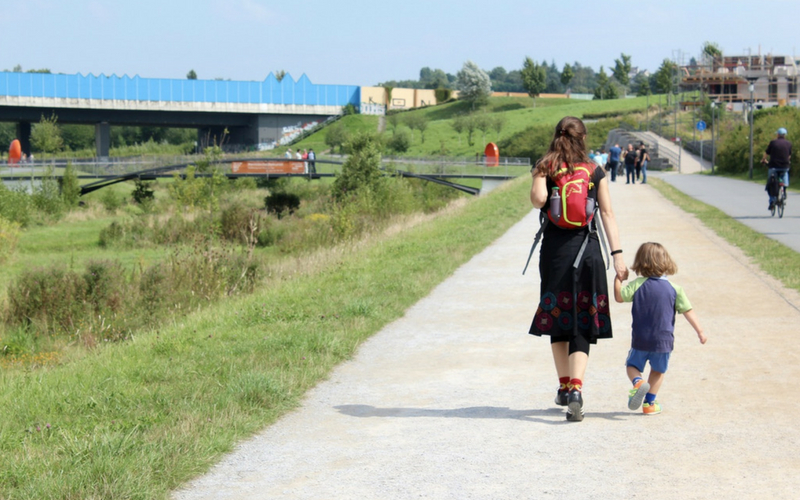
(620, 267)
(702, 337)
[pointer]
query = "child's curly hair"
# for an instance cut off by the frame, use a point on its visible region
(653, 261)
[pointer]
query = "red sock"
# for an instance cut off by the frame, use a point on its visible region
(563, 381)
(575, 384)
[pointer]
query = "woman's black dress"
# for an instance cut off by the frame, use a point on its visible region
(570, 306)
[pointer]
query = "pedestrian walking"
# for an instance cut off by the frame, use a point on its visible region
(655, 300)
(573, 304)
(629, 158)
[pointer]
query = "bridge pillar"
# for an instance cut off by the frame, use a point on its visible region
(102, 139)
(24, 136)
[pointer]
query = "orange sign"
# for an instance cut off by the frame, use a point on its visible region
(268, 167)
(492, 155)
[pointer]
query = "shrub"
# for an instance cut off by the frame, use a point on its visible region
(281, 203)
(245, 183)
(9, 235)
(15, 205)
(111, 200)
(362, 167)
(240, 223)
(400, 141)
(46, 196)
(442, 95)
(142, 194)
(50, 299)
(70, 187)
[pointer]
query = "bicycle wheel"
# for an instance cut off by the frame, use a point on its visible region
(772, 208)
(781, 201)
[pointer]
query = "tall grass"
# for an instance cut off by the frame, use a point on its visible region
(139, 418)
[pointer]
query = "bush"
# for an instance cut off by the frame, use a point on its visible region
(400, 141)
(442, 95)
(111, 200)
(240, 223)
(733, 155)
(70, 187)
(9, 235)
(46, 196)
(362, 167)
(281, 203)
(49, 299)
(15, 205)
(142, 194)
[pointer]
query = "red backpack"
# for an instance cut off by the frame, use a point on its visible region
(574, 197)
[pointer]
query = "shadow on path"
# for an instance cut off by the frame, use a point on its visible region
(471, 412)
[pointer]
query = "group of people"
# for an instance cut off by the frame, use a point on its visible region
(634, 159)
(309, 155)
(574, 300)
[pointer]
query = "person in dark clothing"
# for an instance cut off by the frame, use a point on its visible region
(630, 164)
(573, 308)
(613, 161)
(779, 151)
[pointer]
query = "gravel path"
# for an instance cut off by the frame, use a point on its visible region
(455, 400)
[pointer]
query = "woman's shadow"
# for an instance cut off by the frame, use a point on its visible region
(550, 416)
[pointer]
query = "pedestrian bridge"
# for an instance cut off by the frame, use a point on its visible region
(441, 171)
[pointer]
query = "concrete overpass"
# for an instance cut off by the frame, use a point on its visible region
(253, 112)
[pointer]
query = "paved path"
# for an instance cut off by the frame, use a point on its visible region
(455, 400)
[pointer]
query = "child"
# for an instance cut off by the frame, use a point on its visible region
(655, 301)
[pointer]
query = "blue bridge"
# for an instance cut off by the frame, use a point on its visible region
(254, 113)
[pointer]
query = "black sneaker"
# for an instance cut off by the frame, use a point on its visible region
(562, 397)
(575, 406)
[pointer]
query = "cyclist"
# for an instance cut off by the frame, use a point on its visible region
(779, 151)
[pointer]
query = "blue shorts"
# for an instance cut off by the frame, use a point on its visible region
(659, 361)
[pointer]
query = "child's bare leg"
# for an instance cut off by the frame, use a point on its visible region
(633, 372)
(655, 379)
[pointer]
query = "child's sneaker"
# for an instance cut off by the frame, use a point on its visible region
(637, 394)
(562, 397)
(653, 408)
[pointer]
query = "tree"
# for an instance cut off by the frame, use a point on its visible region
(470, 124)
(474, 84)
(640, 85)
(361, 169)
(191, 75)
(483, 122)
(279, 75)
(712, 52)
(567, 74)
(498, 124)
(394, 121)
(622, 70)
(665, 77)
(419, 122)
(46, 136)
(459, 124)
(336, 136)
(534, 78)
(602, 83)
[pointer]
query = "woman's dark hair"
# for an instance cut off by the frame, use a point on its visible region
(567, 147)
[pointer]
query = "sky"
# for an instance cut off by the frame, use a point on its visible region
(356, 42)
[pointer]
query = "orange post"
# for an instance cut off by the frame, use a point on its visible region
(14, 152)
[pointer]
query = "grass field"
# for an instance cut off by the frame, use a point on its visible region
(519, 114)
(137, 419)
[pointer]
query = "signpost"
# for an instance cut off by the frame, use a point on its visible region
(701, 125)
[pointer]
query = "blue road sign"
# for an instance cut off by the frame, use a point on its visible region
(701, 125)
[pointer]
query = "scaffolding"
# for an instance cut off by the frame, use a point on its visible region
(726, 78)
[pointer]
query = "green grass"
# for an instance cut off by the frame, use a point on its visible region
(774, 258)
(137, 419)
(519, 113)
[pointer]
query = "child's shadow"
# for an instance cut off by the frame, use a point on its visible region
(554, 416)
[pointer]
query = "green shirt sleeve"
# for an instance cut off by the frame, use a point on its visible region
(681, 301)
(630, 289)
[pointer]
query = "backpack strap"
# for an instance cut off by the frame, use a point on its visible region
(542, 224)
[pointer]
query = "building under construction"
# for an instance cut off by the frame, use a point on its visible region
(727, 78)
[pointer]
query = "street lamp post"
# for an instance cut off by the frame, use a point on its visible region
(713, 134)
(752, 83)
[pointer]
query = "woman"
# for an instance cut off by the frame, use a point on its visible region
(574, 303)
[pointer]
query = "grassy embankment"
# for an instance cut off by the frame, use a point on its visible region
(519, 115)
(138, 418)
(774, 258)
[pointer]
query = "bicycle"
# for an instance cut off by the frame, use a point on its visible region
(780, 199)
